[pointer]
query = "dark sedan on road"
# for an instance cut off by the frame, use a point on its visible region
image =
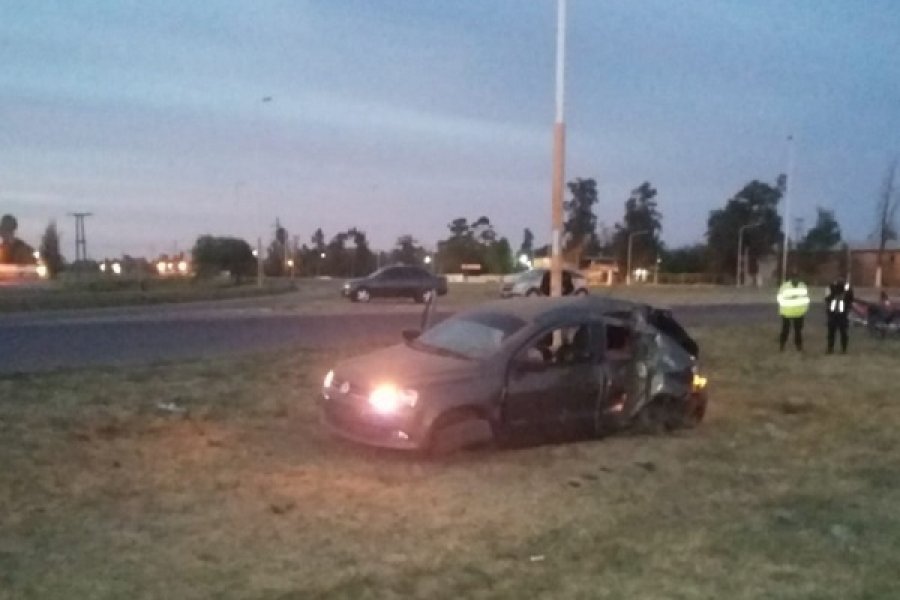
(544, 365)
(398, 281)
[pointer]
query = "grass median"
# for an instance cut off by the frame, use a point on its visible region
(214, 479)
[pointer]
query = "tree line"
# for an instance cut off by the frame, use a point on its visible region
(751, 215)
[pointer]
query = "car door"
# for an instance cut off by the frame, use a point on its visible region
(550, 386)
(417, 281)
(388, 282)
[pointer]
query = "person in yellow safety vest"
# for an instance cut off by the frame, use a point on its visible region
(793, 302)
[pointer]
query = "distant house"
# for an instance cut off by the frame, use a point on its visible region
(864, 265)
(598, 270)
(860, 261)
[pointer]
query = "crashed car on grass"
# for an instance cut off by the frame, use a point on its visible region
(540, 366)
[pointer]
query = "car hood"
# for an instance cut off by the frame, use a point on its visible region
(404, 366)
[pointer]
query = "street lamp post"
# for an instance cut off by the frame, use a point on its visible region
(740, 250)
(259, 263)
(788, 183)
(631, 237)
(559, 153)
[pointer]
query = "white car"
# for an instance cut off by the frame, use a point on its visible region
(536, 282)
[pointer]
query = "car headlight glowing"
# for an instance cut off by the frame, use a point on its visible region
(389, 398)
(329, 378)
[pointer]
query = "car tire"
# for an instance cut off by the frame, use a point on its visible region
(422, 296)
(533, 292)
(581, 292)
(362, 295)
(658, 416)
(458, 431)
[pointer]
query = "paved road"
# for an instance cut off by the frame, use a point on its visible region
(32, 342)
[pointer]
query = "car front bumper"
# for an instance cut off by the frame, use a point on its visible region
(347, 420)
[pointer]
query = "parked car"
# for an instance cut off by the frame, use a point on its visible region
(536, 282)
(398, 281)
(543, 365)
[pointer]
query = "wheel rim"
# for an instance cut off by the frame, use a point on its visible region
(362, 295)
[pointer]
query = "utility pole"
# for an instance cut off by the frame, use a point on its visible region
(788, 183)
(559, 154)
(80, 239)
(259, 263)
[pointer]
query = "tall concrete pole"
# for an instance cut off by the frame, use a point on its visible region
(785, 221)
(559, 154)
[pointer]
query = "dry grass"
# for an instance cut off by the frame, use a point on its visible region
(789, 490)
(103, 293)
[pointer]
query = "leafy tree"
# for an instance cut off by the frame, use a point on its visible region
(824, 235)
(459, 228)
(13, 251)
(460, 248)
(474, 244)
(212, 255)
(407, 251)
(364, 261)
(885, 215)
(756, 203)
(277, 253)
(312, 258)
(686, 259)
(337, 259)
(50, 252)
(580, 225)
(498, 257)
(643, 224)
(527, 246)
(318, 240)
(483, 231)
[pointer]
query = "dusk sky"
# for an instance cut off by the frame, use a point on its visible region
(398, 116)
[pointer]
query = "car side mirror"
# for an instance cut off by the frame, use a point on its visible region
(411, 334)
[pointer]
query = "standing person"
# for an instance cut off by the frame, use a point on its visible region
(793, 302)
(837, 305)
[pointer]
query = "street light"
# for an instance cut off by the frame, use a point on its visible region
(788, 182)
(740, 250)
(631, 237)
(559, 156)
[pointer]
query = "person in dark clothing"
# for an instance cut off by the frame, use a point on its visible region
(837, 307)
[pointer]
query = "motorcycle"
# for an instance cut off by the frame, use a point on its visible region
(880, 320)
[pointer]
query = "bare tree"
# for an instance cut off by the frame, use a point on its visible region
(886, 209)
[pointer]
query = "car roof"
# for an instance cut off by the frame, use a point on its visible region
(542, 270)
(533, 309)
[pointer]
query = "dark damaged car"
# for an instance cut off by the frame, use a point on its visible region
(540, 366)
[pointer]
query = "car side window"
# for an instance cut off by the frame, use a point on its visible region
(618, 340)
(390, 274)
(559, 347)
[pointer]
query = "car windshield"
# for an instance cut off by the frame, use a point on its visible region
(531, 275)
(470, 337)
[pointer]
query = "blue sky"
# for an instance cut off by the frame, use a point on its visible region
(398, 116)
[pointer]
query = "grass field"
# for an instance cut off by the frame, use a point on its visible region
(790, 489)
(106, 292)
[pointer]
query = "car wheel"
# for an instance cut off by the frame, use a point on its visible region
(362, 295)
(422, 296)
(661, 414)
(694, 410)
(533, 292)
(457, 431)
(581, 292)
